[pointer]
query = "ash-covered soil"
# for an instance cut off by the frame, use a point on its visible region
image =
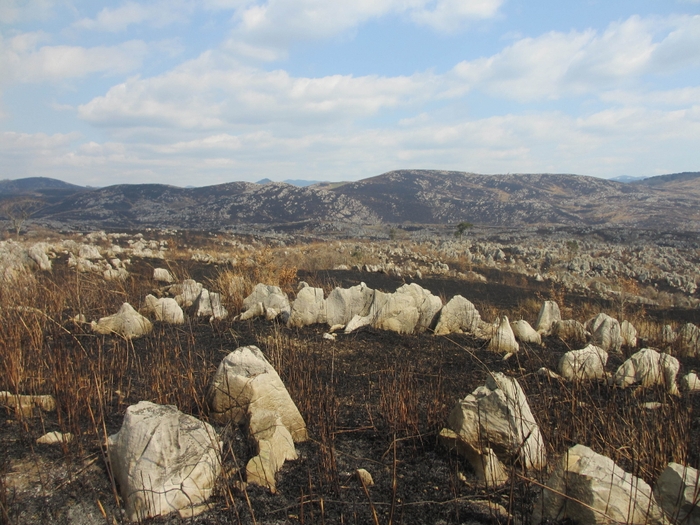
(371, 399)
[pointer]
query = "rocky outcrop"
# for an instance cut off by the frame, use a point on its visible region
(688, 341)
(458, 315)
(163, 275)
(605, 332)
(187, 293)
(570, 330)
(498, 416)
(487, 467)
(677, 491)
(525, 333)
(163, 461)
(209, 305)
(343, 304)
(127, 323)
(164, 309)
(648, 367)
(587, 363)
(549, 314)
(308, 308)
(588, 489)
(628, 333)
(266, 300)
(274, 445)
(503, 340)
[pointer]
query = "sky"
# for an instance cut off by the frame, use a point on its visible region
(193, 93)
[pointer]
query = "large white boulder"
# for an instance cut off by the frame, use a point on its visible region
(605, 332)
(343, 304)
(570, 330)
(308, 308)
(589, 488)
(677, 491)
(266, 298)
(526, 333)
(427, 304)
(246, 382)
(164, 461)
(690, 382)
(163, 275)
(586, 363)
(688, 340)
(649, 367)
(275, 445)
(503, 340)
(187, 293)
(487, 467)
(127, 323)
(458, 315)
(498, 416)
(399, 314)
(209, 305)
(164, 309)
(549, 314)
(89, 252)
(37, 253)
(628, 333)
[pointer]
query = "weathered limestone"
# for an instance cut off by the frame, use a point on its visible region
(587, 363)
(89, 252)
(498, 416)
(427, 304)
(487, 467)
(274, 445)
(399, 314)
(163, 275)
(37, 253)
(343, 304)
(458, 315)
(26, 404)
(115, 274)
(605, 332)
(649, 367)
(246, 382)
(308, 308)
(187, 293)
(590, 489)
(164, 461)
(503, 340)
(628, 333)
(127, 323)
(55, 438)
(525, 333)
(688, 340)
(570, 330)
(365, 477)
(549, 314)
(209, 305)
(678, 492)
(165, 309)
(690, 382)
(265, 298)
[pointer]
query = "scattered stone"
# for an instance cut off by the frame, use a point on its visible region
(163, 275)
(525, 333)
(549, 314)
(26, 404)
(187, 293)
(605, 332)
(498, 416)
(55, 438)
(308, 308)
(688, 340)
(458, 315)
(118, 274)
(690, 382)
(648, 367)
(570, 330)
(365, 477)
(503, 340)
(676, 490)
(487, 467)
(164, 461)
(265, 297)
(344, 304)
(165, 309)
(330, 337)
(589, 488)
(628, 334)
(274, 446)
(89, 252)
(587, 363)
(209, 305)
(245, 382)
(544, 371)
(127, 323)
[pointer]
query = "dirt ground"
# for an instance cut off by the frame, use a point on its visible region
(371, 399)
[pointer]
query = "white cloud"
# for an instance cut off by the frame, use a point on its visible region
(22, 61)
(157, 14)
(14, 11)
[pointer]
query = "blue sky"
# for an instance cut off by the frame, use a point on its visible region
(202, 92)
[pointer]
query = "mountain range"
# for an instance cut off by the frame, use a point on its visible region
(397, 197)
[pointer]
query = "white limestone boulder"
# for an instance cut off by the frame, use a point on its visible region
(648, 367)
(209, 305)
(589, 488)
(163, 275)
(89, 252)
(549, 314)
(503, 340)
(27, 404)
(605, 332)
(187, 293)
(37, 252)
(688, 340)
(677, 491)
(427, 304)
(458, 315)
(690, 382)
(586, 363)
(163, 461)
(246, 382)
(525, 333)
(487, 467)
(570, 330)
(308, 308)
(127, 323)
(628, 333)
(498, 416)
(164, 309)
(274, 446)
(116, 274)
(343, 304)
(263, 298)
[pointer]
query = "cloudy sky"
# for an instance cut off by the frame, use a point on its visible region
(198, 92)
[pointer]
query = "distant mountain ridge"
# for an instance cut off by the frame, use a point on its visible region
(402, 196)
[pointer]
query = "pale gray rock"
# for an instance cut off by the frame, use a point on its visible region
(116, 274)
(688, 341)
(274, 446)
(245, 382)
(164, 309)
(89, 251)
(163, 275)
(549, 314)
(589, 488)
(487, 467)
(677, 491)
(648, 367)
(498, 416)
(458, 315)
(127, 323)
(308, 308)
(690, 382)
(586, 363)
(668, 335)
(55, 438)
(365, 477)
(264, 297)
(503, 340)
(37, 253)
(399, 314)
(427, 304)
(628, 333)
(187, 293)
(344, 304)
(526, 333)
(163, 461)
(570, 330)
(605, 332)
(209, 305)
(26, 404)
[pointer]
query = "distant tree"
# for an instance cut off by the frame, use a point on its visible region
(462, 227)
(18, 211)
